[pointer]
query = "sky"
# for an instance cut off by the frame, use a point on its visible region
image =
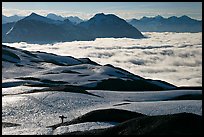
(86, 10)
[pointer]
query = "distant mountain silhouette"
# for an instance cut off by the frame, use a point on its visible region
(39, 29)
(55, 17)
(36, 17)
(73, 19)
(171, 24)
(14, 18)
(103, 26)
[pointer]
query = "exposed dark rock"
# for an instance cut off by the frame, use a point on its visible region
(127, 85)
(187, 97)
(7, 124)
(65, 88)
(121, 104)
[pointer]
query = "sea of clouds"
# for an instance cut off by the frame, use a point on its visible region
(172, 57)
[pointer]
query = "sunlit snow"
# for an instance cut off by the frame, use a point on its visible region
(172, 57)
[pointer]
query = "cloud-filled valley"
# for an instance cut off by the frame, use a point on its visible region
(172, 57)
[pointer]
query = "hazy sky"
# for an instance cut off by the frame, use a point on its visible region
(124, 10)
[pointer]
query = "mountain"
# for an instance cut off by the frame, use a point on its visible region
(105, 26)
(74, 19)
(13, 18)
(35, 17)
(6, 28)
(55, 17)
(4, 19)
(171, 24)
(38, 29)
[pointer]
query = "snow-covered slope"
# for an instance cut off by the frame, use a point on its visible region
(43, 109)
(69, 70)
(38, 87)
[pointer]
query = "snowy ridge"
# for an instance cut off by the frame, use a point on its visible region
(52, 67)
(82, 127)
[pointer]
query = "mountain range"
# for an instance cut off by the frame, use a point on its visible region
(73, 19)
(39, 29)
(145, 24)
(171, 24)
(15, 18)
(55, 28)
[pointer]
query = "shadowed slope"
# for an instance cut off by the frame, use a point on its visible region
(174, 124)
(103, 115)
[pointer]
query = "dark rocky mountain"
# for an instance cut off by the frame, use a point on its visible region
(39, 29)
(13, 18)
(105, 26)
(36, 17)
(171, 24)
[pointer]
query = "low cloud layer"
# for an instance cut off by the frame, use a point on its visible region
(172, 57)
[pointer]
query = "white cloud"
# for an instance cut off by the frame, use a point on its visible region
(172, 57)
